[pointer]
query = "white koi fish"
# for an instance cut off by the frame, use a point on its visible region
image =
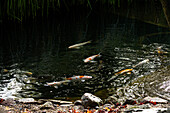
(58, 83)
(142, 62)
(91, 58)
(77, 46)
(82, 78)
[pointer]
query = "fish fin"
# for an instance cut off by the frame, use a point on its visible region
(92, 61)
(129, 73)
(65, 83)
(77, 47)
(83, 80)
(49, 84)
(46, 84)
(56, 87)
(99, 54)
(89, 41)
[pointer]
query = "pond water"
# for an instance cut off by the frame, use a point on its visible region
(41, 47)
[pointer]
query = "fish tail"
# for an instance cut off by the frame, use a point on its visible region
(89, 41)
(50, 84)
(100, 54)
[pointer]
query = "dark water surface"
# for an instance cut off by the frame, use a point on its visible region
(41, 47)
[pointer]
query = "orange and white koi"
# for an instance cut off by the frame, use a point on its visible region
(91, 58)
(77, 46)
(82, 78)
(161, 51)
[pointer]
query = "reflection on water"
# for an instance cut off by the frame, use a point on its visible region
(122, 44)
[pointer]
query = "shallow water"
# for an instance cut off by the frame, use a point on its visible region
(43, 50)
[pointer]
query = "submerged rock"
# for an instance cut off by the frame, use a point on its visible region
(47, 105)
(90, 100)
(111, 99)
(8, 101)
(78, 102)
(156, 99)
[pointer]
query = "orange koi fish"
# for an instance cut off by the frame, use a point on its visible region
(82, 78)
(123, 71)
(128, 70)
(91, 58)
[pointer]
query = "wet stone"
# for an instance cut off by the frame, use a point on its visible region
(78, 102)
(89, 100)
(155, 99)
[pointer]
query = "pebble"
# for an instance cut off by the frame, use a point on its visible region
(90, 100)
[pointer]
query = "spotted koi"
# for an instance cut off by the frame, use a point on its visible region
(91, 58)
(79, 78)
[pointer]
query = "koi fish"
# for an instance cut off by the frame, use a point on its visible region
(18, 71)
(82, 78)
(142, 62)
(4, 71)
(129, 70)
(91, 58)
(77, 46)
(123, 71)
(160, 51)
(58, 83)
(26, 72)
